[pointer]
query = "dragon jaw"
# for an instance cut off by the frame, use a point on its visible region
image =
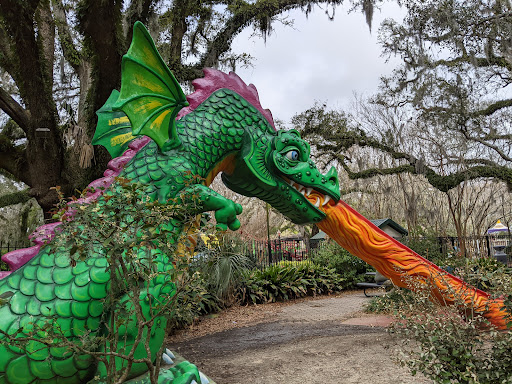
(278, 170)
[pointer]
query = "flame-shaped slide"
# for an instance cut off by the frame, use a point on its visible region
(397, 262)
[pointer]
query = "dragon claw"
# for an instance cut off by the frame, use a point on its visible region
(204, 379)
(169, 353)
(167, 359)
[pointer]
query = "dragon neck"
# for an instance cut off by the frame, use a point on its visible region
(226, 165)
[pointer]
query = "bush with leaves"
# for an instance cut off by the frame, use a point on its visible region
(222, 262)
(429, 248)
(389, 303)
(193, 299)
(287, 280)
(134, 239)
(450, 344)
(349, 267)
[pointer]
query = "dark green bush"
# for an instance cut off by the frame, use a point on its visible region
(287, 280)
(192, 301)
(388, 303)
(449, 348)
(429, 248)
(349, 267)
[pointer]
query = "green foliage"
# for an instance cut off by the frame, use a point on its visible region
(428, 247)
(447, 347)
(192, 300)
(222, 263)
(485, 273)
(134, 238)
(388, 303)
(350, 268)
(287, 280)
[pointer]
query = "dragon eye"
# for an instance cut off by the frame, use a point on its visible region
(292, 155)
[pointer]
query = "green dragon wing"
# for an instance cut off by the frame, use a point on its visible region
(114, 130)
(150, 95)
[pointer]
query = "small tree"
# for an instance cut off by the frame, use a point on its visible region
(453, 344)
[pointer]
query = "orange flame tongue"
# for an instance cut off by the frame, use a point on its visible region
(394, 260)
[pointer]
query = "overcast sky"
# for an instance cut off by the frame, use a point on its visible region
(317, 59)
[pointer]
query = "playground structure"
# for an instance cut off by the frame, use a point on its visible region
(160, 139)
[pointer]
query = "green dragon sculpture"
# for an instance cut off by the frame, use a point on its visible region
(157, 137)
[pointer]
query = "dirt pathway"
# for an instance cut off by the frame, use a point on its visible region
(313, 341)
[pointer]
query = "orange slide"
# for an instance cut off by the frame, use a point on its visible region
(394, 260)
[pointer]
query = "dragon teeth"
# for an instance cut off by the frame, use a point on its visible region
(326, 200)
(317, 204)
(308, 191)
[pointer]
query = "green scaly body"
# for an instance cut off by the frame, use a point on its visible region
(49, 287)
(223, 133)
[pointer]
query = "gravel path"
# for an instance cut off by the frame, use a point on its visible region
(321, 340)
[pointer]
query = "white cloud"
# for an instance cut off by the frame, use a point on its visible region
(318, 59)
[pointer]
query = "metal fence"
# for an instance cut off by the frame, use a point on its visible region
(6, 246)
(267, 253)
(475, 246)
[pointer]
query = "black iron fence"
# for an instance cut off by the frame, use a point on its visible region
(268, 253)
(471, 246)
(297, 249)
(6, 246)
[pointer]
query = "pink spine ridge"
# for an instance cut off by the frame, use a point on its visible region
(214, 80)
(45, 233)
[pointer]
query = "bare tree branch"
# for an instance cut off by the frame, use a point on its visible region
(14, 110)
(242, 17)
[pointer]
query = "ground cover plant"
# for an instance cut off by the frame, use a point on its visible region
(350, 268)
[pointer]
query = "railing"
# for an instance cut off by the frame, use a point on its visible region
(301, 249)
(6, 246)
(475, 246)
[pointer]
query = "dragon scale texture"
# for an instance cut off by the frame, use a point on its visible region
(48, 287)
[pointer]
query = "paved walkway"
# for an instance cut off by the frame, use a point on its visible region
(316, 341)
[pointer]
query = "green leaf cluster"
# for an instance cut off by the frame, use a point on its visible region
(350, 268)
(450, 344)
(286, 281)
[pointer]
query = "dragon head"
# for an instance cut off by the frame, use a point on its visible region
(276, 168)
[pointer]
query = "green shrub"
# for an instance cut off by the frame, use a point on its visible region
(349, 267)
(388, 303)
(287, 280)
(192, 300)
(447, 347)
(222, 263)
(429, 248)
